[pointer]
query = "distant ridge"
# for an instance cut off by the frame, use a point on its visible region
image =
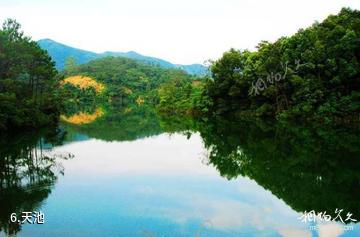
(60, 52)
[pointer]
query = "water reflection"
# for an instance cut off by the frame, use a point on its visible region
(27, 174)
(162, 189)
(118, 124)
(83, 117)
(140, 174)
(309, 168)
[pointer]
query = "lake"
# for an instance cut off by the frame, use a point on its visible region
(131, 172)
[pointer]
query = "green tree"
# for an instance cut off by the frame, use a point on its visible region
(28, 88)
(313, 74)
(70, 64)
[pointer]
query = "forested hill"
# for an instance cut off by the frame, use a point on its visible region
(313, 74)
(122, 79)
(60, 52)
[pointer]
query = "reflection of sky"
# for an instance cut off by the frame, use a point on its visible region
(159, 186)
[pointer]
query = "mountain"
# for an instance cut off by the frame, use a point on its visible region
(60, 52)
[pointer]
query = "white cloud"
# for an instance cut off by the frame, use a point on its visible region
(330, 230)
(293, 232)
(156, 154)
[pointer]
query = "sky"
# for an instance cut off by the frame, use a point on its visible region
(180, 31)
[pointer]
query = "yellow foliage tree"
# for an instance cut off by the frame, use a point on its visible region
(84, 82)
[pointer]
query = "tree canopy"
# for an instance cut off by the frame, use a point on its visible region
(313, 74)
(28, 88)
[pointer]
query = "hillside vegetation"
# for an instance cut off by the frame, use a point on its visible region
(28, 87)
(84, 82)
(125, 80)
(312, 75)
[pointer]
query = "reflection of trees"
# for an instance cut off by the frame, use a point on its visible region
(27, 175)
(309, 168)
(83, 117)
(120, 124)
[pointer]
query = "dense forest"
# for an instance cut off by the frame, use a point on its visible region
(313, 74)
(33, 93)
(28, 85)
(124, 81)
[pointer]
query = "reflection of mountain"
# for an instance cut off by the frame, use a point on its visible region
(118, 124)
(27, 176)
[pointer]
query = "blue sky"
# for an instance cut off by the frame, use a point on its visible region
(185, 31)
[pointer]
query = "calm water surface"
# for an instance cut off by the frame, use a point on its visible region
(159, 179)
